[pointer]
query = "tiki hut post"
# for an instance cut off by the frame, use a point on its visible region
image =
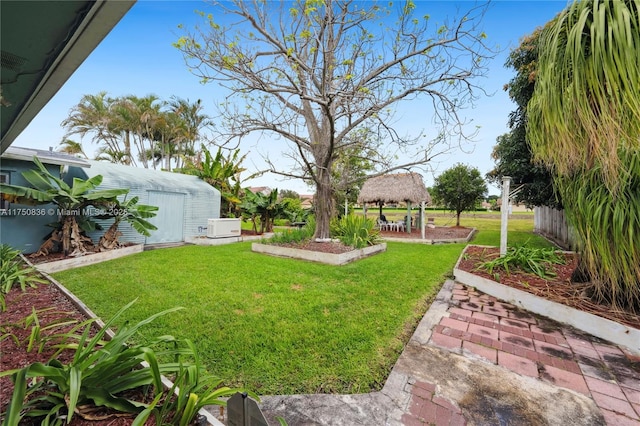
(422, 219)
(395, 188)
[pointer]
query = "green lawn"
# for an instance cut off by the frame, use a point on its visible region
(281, 326)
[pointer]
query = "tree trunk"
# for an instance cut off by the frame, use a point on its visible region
(80, 243)
(458, 218)
(324, 205)
(109, 241)
(73, 242)
(66, 234)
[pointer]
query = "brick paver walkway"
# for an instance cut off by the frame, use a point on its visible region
(476, 359)
(485, 328)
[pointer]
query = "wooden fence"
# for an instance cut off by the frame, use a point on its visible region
(552, 224)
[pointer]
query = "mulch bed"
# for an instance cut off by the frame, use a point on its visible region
(333, 247)
(559, 289)
(437, 233)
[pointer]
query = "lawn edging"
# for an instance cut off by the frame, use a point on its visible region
(205, 241)
(89, 259)
(315, 256)
(210, 419)
(603, 328)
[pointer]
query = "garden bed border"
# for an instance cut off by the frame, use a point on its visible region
(314, 256)
(88, 259)
(603, 328)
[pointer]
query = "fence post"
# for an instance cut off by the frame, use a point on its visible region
(504, 210)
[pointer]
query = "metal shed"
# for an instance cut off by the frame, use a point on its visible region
(185, 202)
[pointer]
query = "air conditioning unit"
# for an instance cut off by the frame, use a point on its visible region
(221, 228)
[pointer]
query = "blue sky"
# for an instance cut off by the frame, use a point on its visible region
(137, 58)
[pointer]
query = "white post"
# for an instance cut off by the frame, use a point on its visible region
(422, 219)
(504, 210)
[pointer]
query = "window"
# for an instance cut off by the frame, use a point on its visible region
(4, 204)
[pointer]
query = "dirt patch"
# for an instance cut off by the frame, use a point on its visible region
(558, 289)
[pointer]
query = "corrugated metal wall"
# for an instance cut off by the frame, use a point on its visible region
(172, 212)
(200, 200)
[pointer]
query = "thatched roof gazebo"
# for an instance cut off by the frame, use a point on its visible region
(396, 188)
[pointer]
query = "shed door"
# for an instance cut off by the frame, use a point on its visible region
(169, 219)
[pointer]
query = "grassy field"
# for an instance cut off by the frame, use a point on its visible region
(280, 326)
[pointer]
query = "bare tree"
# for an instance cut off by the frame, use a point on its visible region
(313, 72)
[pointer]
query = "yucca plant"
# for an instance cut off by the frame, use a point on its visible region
(584, 123)
(355, 231)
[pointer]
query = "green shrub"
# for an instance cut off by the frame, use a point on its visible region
(296, 235)
(102, 372)
(355, 231)
(14, 272)
(532, 260)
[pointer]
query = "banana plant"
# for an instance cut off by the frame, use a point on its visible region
(266, 208)
(70, 200)
(128, 211)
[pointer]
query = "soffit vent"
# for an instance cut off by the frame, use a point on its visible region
(12, 62)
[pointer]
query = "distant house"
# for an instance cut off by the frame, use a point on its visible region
(262, 189)
(25, 227)
(514, 207)
(185, 202)
(307, 201)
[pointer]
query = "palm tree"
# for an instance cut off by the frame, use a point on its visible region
(145, 114)
(93, 115)
(192, 121)
(584, 123)
(72, 147)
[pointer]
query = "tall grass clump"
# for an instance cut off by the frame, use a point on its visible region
(583, 123)
(355, 231)
(608, 231)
